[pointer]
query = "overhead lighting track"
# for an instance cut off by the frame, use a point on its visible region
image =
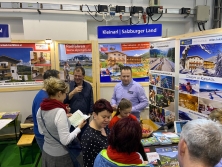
(70, 7)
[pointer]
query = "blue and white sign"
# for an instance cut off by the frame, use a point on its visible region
(129, 31)
(5, 33)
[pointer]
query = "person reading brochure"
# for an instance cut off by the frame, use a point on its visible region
(53, 123)
(94, 139)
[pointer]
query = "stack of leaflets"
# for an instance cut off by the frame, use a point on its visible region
(162, 138)
(149, 141)
(77, 118)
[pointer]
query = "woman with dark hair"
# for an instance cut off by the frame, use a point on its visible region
(123, 110)
(94, 139)
(124, 141)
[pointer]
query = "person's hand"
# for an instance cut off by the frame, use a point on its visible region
(145, 162)
(68, 108)
(114, 107)
(77, 89)
(69, 115)
(82, 124)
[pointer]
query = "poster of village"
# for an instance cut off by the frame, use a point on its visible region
(162, 82)
(200, 77)
(23, 63)
(114, 56)
(73, 55)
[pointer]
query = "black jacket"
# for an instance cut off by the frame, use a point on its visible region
(83, 100)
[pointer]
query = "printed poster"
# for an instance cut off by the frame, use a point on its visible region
(114, 56)
(200, 77)
(23, 63)
(162, 82)
(73, 55)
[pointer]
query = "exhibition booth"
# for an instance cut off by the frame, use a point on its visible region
(181, 75)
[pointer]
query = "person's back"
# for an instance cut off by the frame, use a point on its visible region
(52, 146)
(104, 161)
(40, 96)
(119, 151)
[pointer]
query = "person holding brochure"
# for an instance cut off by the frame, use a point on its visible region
(53, 123)
(42, 94)
(94, 139)
(200, 144)
(124, 141)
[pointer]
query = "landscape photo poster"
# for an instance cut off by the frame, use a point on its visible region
(72, 56)
(200, 77)
(162, 82)
(23, 63)
(114, 56)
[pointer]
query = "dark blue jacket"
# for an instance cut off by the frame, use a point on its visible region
(83, 100)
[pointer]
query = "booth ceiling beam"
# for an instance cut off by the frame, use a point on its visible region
(70, 7)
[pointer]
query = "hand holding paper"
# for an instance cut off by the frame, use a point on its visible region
(78, 118)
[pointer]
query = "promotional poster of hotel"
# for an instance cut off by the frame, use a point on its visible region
(114, 56)
(162, 82)
(200, 77)
(23, 63)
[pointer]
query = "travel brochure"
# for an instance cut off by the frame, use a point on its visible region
(77, 118)
(164, 157)
(161, 138)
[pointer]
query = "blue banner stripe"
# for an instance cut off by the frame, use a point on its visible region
(4, 31)
(129, 31)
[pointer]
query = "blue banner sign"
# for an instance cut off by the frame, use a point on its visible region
(4, 31)
(130, 31)
(186, 42)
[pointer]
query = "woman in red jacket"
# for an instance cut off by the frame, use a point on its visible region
(123, 110)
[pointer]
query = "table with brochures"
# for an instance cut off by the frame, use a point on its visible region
(162, 149)
(8, 117)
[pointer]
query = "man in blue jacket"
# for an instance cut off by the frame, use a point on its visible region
(80, 96)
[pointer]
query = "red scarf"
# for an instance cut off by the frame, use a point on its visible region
(125, 158)
(49, 104)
